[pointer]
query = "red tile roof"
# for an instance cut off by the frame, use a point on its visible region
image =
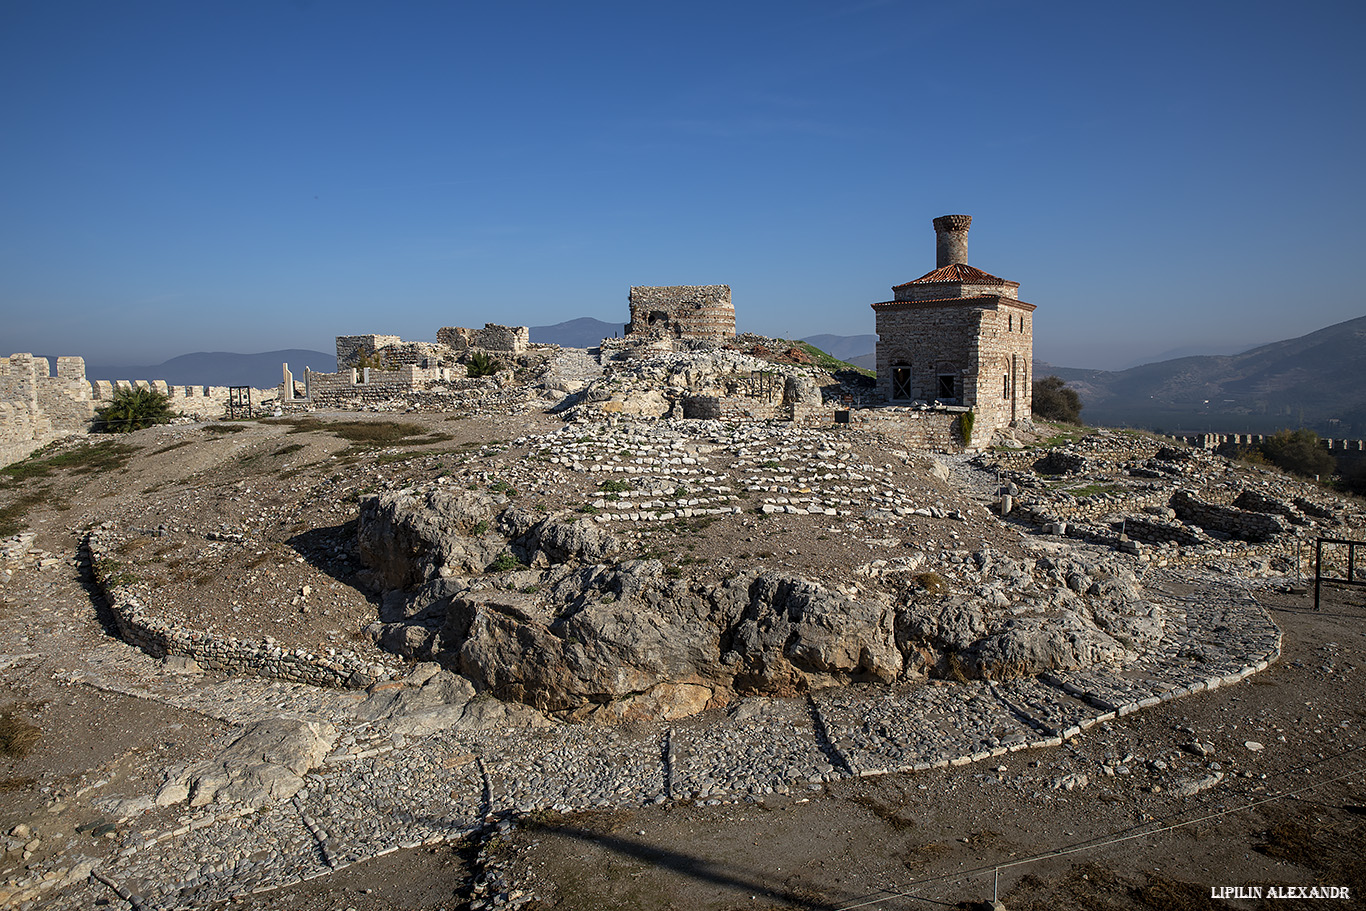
(957, 272)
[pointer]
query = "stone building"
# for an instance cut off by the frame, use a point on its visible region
(957, 336)
(702, 312)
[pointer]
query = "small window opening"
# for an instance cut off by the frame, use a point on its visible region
(945, 386)
(1005, 386)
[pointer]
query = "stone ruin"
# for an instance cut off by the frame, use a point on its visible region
(701, 312)
(373, 369)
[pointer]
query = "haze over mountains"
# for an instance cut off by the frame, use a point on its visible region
(1316, 381)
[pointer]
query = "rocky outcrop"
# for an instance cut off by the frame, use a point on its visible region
(577, 634)
(264, 763)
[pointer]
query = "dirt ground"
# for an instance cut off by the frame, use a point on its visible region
(254, 517)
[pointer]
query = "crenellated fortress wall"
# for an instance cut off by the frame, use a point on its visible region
(39, 404)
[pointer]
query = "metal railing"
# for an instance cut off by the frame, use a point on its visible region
(1352, 577)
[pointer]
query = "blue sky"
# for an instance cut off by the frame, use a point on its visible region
(246, 176)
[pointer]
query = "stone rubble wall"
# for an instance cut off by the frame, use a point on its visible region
(360, 388)
(493, 337)
(351, 348)
(264, 658)
(1236, 523)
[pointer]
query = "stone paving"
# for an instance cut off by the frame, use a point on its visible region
(380, 791)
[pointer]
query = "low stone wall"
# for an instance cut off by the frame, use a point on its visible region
(357, 389)
(265, 658)
(929, 428)
(1236, 523)
(733, 408)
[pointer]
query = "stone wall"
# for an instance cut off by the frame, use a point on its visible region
(351, 348)
(140, 628)
(356, 388)
(734, 408)
(493, 337)
(1236, 523)
(985, 344)
(921, 428)
(1347, 452)
(683, 311)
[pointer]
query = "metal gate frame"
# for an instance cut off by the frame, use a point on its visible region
(1320, 578)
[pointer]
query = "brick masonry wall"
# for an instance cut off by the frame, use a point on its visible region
(928, 291)
(683, 311)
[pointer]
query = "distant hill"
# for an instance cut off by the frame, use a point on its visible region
(1313, 381)
(584, 332)
(221, 368)
(844, 347)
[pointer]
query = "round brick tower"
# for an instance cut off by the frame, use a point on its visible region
(951, 240)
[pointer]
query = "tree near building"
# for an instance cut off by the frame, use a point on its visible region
(1053, 401)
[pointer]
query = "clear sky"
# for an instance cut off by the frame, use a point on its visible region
(250, 175)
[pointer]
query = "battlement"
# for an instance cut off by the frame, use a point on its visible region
(39, 403)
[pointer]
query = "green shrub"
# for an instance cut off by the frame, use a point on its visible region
(965, 422)
(481, 364)
(1298, 452)
(505, 562)
(133, 409)
(1053, 401)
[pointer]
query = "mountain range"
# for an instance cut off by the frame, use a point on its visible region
(1313, 381)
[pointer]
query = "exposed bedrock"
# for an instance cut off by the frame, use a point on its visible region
(578, 633)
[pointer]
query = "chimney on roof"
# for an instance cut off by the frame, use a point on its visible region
(951, 240)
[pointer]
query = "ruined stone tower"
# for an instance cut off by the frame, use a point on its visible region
(957, 336)
(683, 311)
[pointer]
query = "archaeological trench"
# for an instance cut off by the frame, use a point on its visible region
(622, 605)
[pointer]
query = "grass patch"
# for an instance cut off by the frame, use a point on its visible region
(82, 459)
(12, 516)
(825, 360)
(932, 583)
(366, 433)
(221, 429)
(17, 736)
(614, 486)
